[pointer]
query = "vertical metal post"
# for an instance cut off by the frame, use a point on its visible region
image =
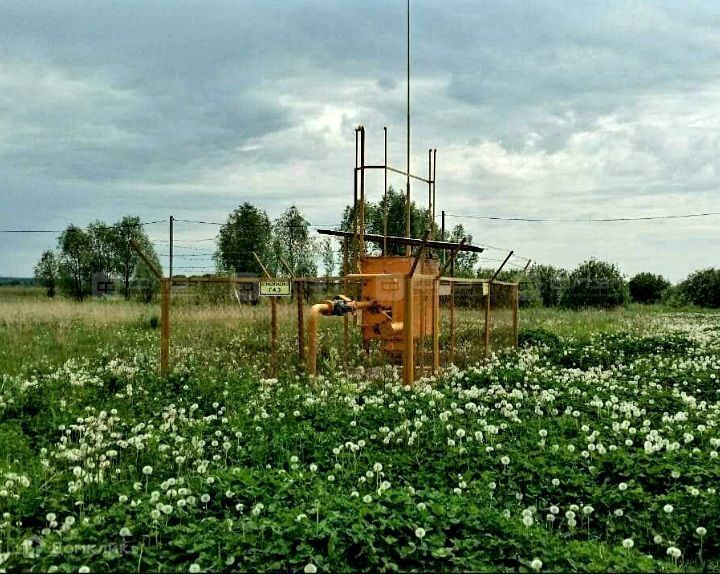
(516, 303)
(346, 320)
(385, 210)
(430, 201)
(486, 339)
(301, 322)
(452, 310)
(165, 326)
(436, 325)
(442, 234)
(407, 180)
(408, 340)
(361, 238)
(434, 179)
(273, 333)
(170, 273)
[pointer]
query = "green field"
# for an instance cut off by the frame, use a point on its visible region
(594, 447)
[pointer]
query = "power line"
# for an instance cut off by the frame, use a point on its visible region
(585, 220)
(117, 226)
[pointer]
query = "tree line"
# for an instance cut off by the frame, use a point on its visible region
(99, 249)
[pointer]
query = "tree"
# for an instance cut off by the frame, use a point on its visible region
(465, 262)
(549, 282)
(328, 257)
(126, 261)
(374, 219)
(702, 288)
(144, 282)
(647, 288)
(247, 230)
(594, 284)
(103, 248)
(46, 272)
(75, 260)
(292, 245)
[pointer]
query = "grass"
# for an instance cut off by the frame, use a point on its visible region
(239, 462)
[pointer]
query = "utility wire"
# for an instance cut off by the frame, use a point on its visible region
(122, 226)
(585, 220)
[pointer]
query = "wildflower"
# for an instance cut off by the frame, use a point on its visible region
(623, 486)
(668, 508)
(147, 470)
(657, 539)
(628, 543)
(701, 531)
(367, 499)
(536, 564)
(205, 498)
(194, 568)
(673, 552)
(505, 460)
(528, 521)
(377, 467)
(125, 532)
(50, 517)
(420, 533)
(310, 568)
(84, 569)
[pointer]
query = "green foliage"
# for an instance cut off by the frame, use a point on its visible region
(702, 288)
(292, 246)
(647, 287)
(464, 262)
(47, 271)
(329, 258)
(75, 261)
(548, 282)
(247, 230)
(594, 284)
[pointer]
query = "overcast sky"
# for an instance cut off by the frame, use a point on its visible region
(546, 109)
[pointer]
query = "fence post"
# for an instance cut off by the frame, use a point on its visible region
(408, 350)
(165, 285)
(516, 303)
(436, 325)
(301, 323)
(273, 333)
(487, 319)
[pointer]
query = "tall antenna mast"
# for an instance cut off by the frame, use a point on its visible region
(407, 180)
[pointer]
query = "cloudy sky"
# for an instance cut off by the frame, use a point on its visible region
(540, 110)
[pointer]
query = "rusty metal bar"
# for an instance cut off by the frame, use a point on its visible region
(420, 253)
(509, 255)
(454, 253)
(361, 240)
(452, 311)
(301, 322)
(410, 241)
(408, 341)
(436, 326)
(138, 249)
(394, 170)
(516, 304)
(434, 180)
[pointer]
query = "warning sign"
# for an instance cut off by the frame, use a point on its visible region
(275, 287)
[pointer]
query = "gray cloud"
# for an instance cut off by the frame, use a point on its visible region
(549, 109)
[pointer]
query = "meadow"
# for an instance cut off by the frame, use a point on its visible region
(592, 447)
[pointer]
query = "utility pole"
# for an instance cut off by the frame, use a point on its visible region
(442, 231)
(172, 220)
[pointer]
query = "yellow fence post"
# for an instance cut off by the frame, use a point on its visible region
(165, 325)
(516, 304)
(408, 350)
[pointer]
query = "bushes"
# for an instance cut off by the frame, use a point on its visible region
(647, 288)
(702, 288)
(594, 284)
(548, 282)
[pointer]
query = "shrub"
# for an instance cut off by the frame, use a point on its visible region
(702, 288)
(548, 282)
(595, 284)
(647, 288)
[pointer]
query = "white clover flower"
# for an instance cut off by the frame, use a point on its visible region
(668, 508)
(673, 552)
(587, 510)
(147, 470)
(125, 532)
(528, 521)
(628, 543)
(623, 486)
(194, 568)
(310, 568)
(205, 498)
(460, 433)
(619, 512)
(420, 533)
(367, 499)
(701, 531)
(657, 539)
(505, 460)
(555, 482)
(421, 506)
(536, 564)
(83, 569)
(313, 467)
(50, 517)
(377, 467)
